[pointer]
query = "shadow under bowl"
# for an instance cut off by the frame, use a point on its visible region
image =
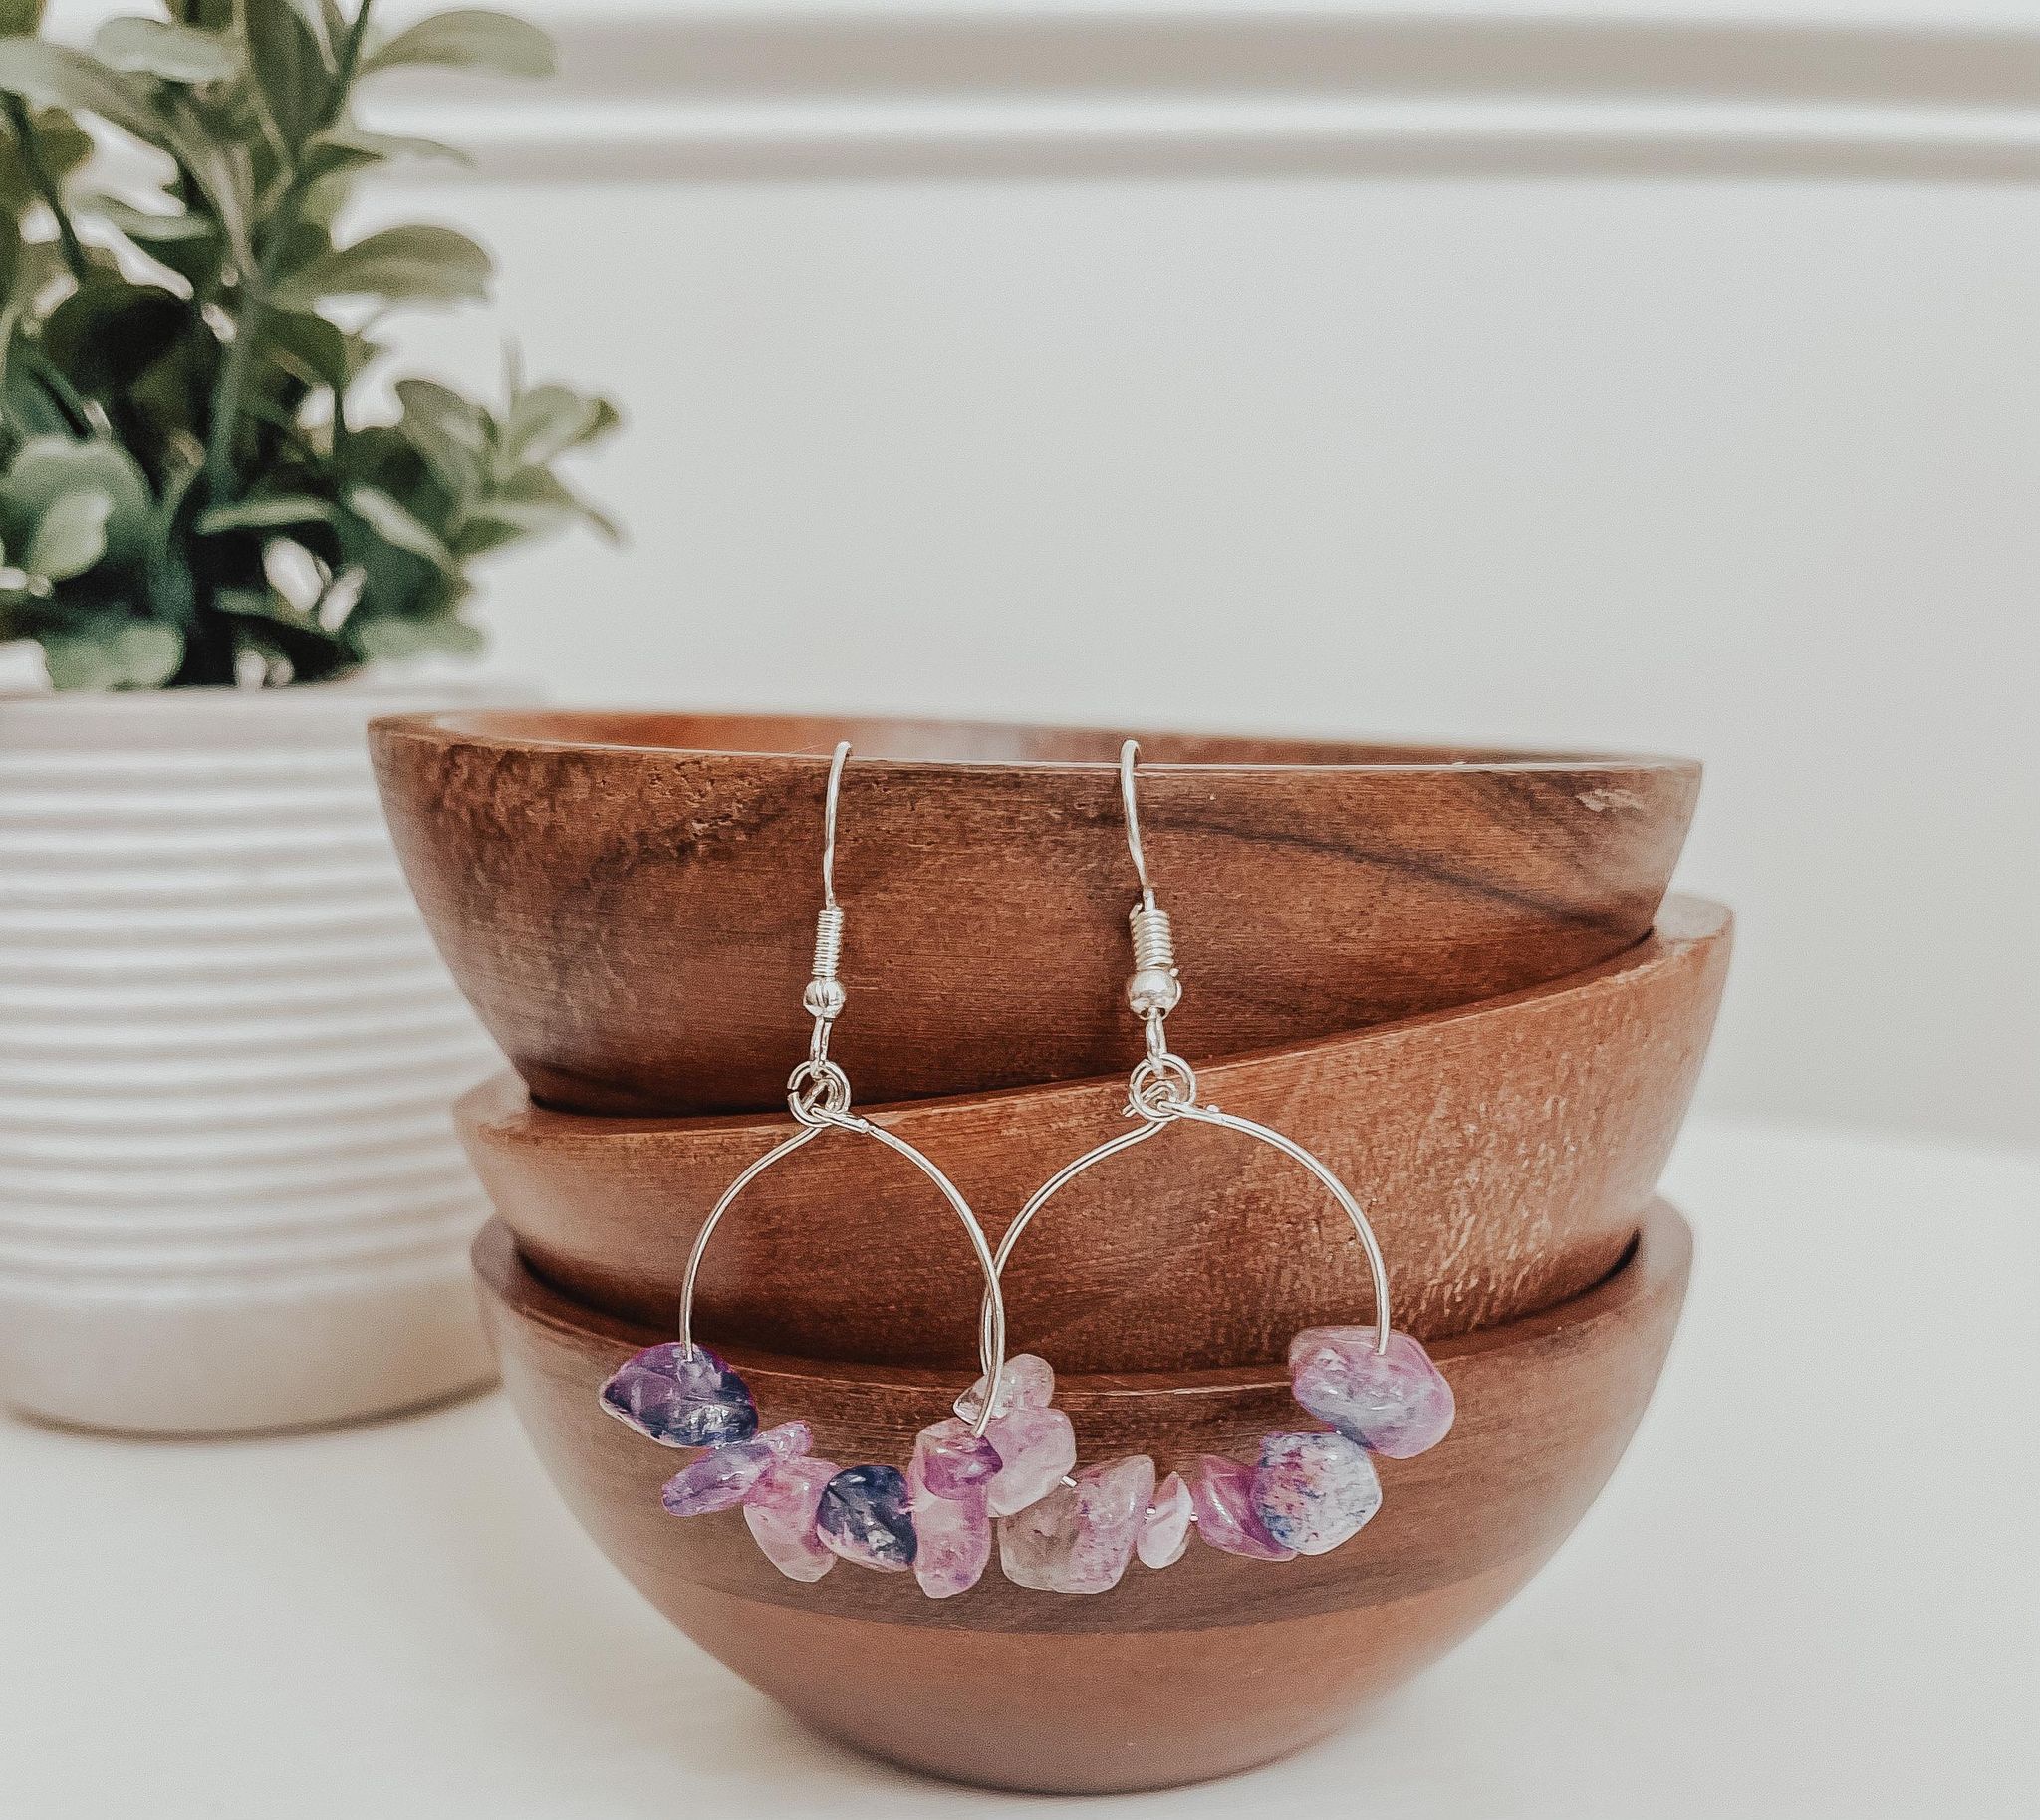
(1208, 1667)
(628, 900)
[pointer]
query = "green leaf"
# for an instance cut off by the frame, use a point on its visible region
(151, 230)
(20, 18)
(404, 264)
(348, 148)
(548, 420)
(168, 583)
(392, 639)
(534, 503)
(188, 244)
(108, 332)
(46, 468)
(60, 77)
(34, 400)
(176, 53)
(125, 654)
(61, 147)
(468, 38)
(265, 603)
(290, 67)
(219, 172)
(278, 512)
(459, 419)
(395, 524)
(450, 431)
(70, 537)
(317, 351)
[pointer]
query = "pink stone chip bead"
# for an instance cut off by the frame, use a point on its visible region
(1027, 1382)
(1395, 1403)
(781, 1513)
(789, 1439)
(1036, 1449)
(1164, 1531)
(1081, 1537)
(1223, 1495)
(953, 1534)
(953, 1460)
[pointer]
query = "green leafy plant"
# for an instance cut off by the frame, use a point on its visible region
(186, 496)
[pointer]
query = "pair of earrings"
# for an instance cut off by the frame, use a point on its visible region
(1009, 1455)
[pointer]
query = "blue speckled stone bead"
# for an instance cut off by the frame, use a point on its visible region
(864, 1517)
(681, 1402)
(1313, 1490)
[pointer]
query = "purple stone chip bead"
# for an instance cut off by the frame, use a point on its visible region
(865, 1516)
(1395, 1403)
(1223, 1495)
(1314, 1490)
(725, 1476)
(780, 1512)
(719, 1480)
(681, 1402)
(952, 1461)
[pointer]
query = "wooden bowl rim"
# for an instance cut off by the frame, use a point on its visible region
(1661, 1251)
(503, 1105)
(486, 727)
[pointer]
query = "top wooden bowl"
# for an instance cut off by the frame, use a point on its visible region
(628, 899)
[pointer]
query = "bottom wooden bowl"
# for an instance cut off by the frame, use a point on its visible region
(1209, 1667)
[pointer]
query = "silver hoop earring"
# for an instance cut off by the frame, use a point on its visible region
(1309, 1490)
(807, 1514)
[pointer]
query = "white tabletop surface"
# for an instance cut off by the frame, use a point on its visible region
(1813, 1588)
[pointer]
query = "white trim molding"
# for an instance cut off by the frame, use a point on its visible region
(773, 91)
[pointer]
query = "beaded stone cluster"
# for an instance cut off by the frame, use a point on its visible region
(1059, 1530)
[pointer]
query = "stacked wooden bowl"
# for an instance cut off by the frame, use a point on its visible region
(1452, 974)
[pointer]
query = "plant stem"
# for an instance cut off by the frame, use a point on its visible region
(45, 184)
(233, 372)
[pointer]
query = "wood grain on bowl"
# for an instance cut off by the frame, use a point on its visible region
(1204, 1667)
(628, 900)
(1503, 1150)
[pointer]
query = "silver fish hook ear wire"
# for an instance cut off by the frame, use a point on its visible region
(804, 1513)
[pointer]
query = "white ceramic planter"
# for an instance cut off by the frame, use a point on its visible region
(230, 1195)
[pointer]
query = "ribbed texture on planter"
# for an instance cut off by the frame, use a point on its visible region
(230, 1195)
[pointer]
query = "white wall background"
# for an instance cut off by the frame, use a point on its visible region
(1667, 384)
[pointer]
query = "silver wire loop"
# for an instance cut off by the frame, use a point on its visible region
(818, 1095)
(1154, 1125)
(817, 1091)
(1162, 1088)
(992, 1316)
